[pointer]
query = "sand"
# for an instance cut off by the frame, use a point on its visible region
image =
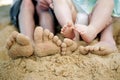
(74, 66)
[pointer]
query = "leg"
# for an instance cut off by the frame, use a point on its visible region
(46, 43)
(82, 18)
(45, 19)
(66, 15)
(26, 18)
(18, 44)
(106, 45)
(99, 19)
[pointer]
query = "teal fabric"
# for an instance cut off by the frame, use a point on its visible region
(86, 6)
(116, 11)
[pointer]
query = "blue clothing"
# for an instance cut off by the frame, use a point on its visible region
(86, 6)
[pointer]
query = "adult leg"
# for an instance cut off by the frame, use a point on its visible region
(45, 19)
(18, 44)
(26, 18)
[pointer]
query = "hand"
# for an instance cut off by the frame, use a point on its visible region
(44, 4)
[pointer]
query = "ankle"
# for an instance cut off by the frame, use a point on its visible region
(109, 42)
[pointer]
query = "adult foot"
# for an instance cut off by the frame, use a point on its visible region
(19, 45)
(102, 48)
(67, 31)
(87, 33)
(68, 46)
(46, 43)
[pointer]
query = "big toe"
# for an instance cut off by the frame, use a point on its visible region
(70, 43)
(22, 40)
(68, 46)
(46, 34)
(38, 35)
(11, 39)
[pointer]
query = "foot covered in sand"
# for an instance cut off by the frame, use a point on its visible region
(19, 45)
(67, 31)
(87, 33)
(46, 43)
(68, 46)
(102, 48)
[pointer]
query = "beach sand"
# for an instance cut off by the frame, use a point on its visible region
(74, 66)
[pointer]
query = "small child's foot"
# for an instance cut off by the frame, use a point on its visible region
(46, 43)
(67, 31)
(19, 45)
(68, 46)
(87, 33)
(102, 48)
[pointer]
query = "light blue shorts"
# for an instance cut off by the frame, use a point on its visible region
(86, 6)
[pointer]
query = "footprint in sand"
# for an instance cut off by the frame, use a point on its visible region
(68, 46)
(46, 43)
(19, 45)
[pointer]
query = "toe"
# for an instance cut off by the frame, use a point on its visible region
(22, 40)
(51, 35)
(96, 48)
(87, 48)
(11, 39)
(63, 48)
(59, 42)
(55, 39)
(8, 44)
(38, 35)
(82, 50)
(14, 34)
(68, 42)
(46, 35)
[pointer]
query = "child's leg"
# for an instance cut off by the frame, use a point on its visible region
(82, 18)
(106, 45)
(66, 15)
(45, 19)
(26, 18)
(99, 19)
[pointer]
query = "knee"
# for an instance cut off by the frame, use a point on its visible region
(27, 4)
(58, 1)
(82, 18)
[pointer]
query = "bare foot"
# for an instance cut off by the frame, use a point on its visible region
(67, 31)
(46, 43)
(102, 48)
(87, 33)
(68, 46)
(19, 45)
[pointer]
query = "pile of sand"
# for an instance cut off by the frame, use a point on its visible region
(56, 67)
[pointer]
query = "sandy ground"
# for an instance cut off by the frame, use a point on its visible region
(56, 67)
